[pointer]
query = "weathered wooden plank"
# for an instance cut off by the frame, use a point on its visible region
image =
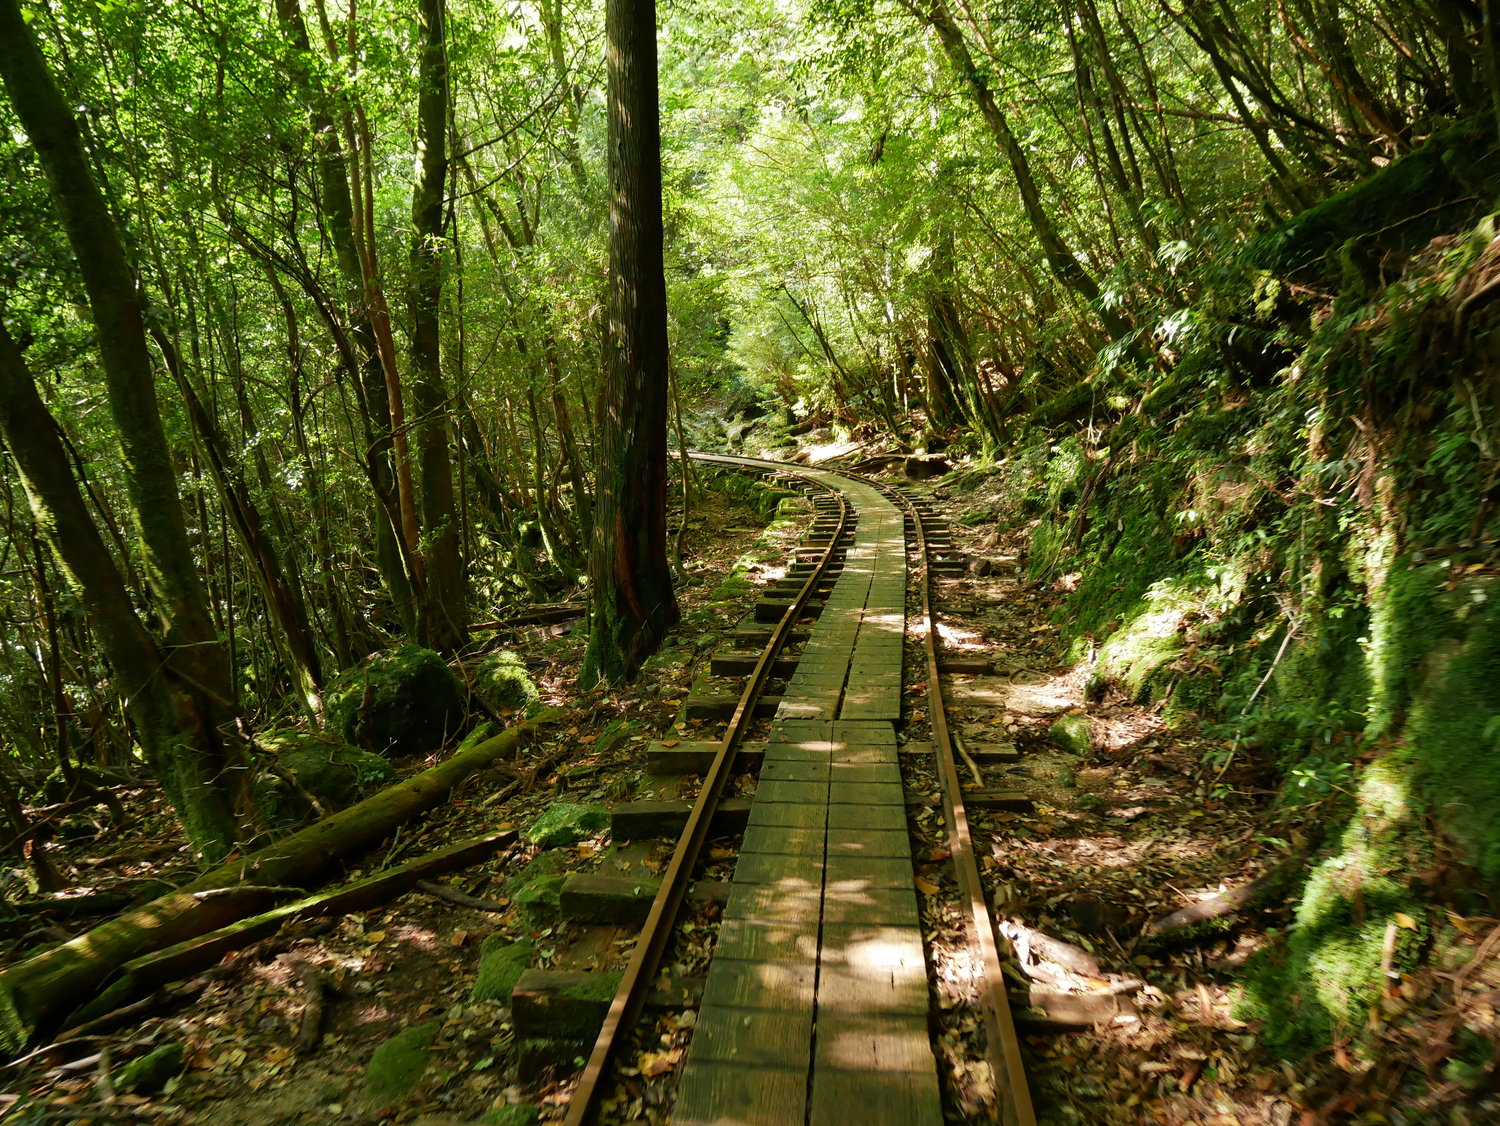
(1013, 800)
(874, 1098)
(875, 872)
(722, 707)
(870, 1042)
(760, 985)
(778, 839)
(792, 792)
(694, 756)
(888, 906)
(868, 842)
(762, 1037)
(788, 815)
(755, 940)
(780, 869)
(795, 770)
(719, 1094)
(867, 817)
(774, 904)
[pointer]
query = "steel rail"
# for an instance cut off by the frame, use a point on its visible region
(1003, 1047)
(629, 1000)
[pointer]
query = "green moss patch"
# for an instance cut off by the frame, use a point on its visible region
(504, 680)
(536, 890)
(151, 1072)
(567, 823)
(326, 767)
(500, 967)
(396, 1069)
(1071, 733)
(402, 701)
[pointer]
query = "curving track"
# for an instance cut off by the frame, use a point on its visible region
(815, 1008)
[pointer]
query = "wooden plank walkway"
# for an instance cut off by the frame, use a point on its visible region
(815, 1009)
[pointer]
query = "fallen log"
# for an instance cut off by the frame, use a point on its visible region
(1218, 913)
(196, 954)
(38, 992)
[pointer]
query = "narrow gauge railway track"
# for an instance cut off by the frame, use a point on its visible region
(630, 998)
(1003, 1048)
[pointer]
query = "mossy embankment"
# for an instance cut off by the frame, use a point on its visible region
(1291, 538)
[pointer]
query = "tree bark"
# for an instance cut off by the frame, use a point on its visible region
(168, 711)
(633, 600)
(200, 769)
(446, 604)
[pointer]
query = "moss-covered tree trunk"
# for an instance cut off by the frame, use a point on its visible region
(445, 607)
(633, 601)
(201, 768)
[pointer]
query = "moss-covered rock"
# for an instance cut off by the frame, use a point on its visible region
(501, 964)
(396, 1069)
(415, 704)
(567, 823)
(151, 1072)
(1071, 733)
(536, 890)
(505, 681)
(327, 767)
(1326, 975)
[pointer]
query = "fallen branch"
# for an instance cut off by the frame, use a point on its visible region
(38, 992)
(313, 985)
(1218, 913)
(442, 891)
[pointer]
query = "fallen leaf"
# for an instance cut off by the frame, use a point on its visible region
(375, 936)
(460, 936)
(670, 742)
(927, 887)
(1405, 921)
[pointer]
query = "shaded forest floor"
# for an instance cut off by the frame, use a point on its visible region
(1130, 825)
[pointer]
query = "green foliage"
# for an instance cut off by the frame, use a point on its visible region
(402, 701)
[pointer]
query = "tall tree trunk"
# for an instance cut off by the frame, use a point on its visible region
(173, 716)
(193, 771)
(446, 605)
(633, 601)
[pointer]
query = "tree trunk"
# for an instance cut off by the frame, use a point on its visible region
(365, 369)
(173, 722)
(201, 768)
(1059, 257)
(446, 603)
(633, 601)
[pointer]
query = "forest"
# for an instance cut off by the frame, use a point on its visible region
(349, 358)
